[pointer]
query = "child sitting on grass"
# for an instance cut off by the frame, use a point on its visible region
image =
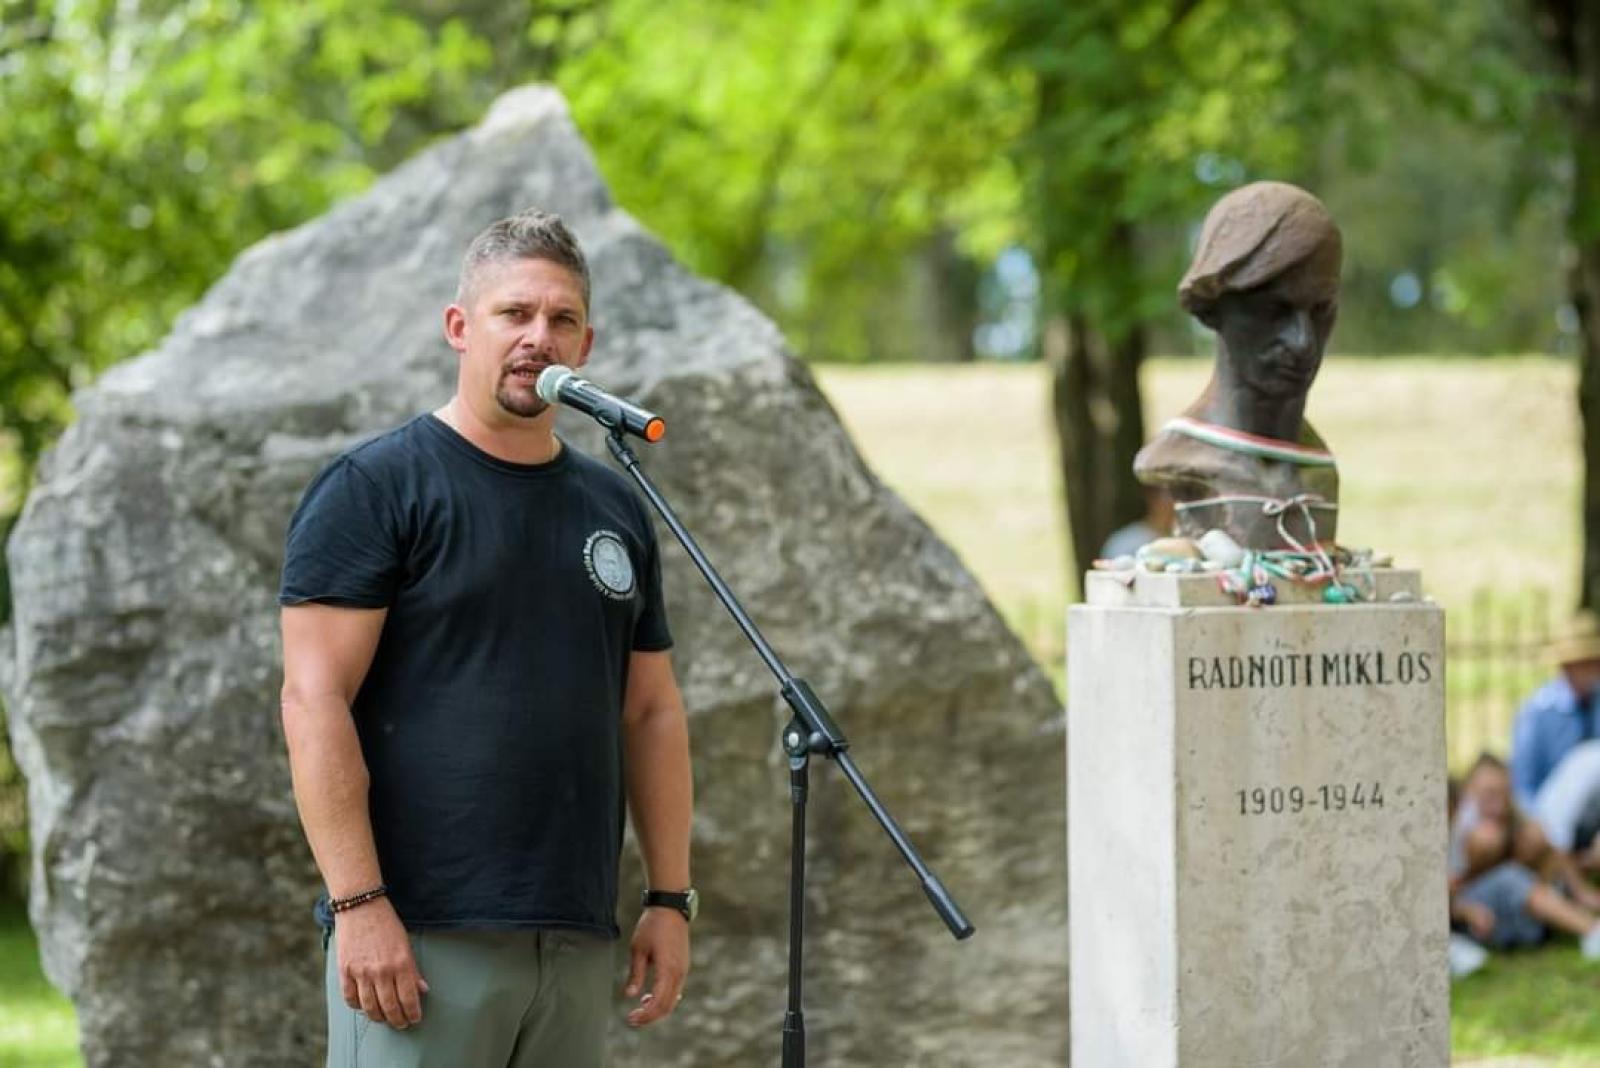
(1504, 873)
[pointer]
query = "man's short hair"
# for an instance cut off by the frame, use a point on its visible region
(527, 235)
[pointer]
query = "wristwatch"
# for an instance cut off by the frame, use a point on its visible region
(686, 902)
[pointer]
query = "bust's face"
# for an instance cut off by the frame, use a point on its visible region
(1275, 334)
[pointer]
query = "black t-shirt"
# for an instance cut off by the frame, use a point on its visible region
(490, 718)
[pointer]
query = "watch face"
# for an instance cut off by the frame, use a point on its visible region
(692, 903)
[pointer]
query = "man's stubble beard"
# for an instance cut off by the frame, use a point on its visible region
(524, 405)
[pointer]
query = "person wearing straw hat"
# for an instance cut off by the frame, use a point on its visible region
(1555, 742)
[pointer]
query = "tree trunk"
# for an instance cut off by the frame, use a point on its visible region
(1572, 33)
(1585, 293)
(1094, 364)
(949, 285)
(1099, 428)
(1583, 229)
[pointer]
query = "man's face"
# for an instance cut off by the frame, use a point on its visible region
(519, 317)
(1583, 676)
(1276, 333)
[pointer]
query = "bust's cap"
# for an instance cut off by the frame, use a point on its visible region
(1254, 234)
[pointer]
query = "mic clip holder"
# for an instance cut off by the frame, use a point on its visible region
(811, 730)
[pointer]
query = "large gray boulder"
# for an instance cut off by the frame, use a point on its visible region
(171, 884)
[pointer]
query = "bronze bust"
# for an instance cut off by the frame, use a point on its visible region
(1242, 458)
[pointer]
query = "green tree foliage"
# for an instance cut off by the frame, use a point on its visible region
(1461, 259)
(803, 151)
(148, 143)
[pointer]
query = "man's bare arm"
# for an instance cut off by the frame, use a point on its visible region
(326, 654)
(661, 800)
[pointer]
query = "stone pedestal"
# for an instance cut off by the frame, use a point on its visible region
(1257, 830)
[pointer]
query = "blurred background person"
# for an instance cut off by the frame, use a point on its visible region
(1155, 523)
(1508, 887)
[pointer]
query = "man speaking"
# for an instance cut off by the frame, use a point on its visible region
(476, 673)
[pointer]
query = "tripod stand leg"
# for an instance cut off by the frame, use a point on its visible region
(794, 1023)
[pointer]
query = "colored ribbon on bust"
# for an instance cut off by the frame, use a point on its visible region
(1226, 437)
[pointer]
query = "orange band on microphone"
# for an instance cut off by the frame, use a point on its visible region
(655, 430)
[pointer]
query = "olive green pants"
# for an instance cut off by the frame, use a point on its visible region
(496, 999)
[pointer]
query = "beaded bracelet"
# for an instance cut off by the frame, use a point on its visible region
(345, 904)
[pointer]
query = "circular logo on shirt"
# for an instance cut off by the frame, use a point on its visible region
(605, 557)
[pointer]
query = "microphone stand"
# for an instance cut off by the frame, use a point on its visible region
(810, 730)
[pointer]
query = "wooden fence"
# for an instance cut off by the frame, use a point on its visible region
(1495, 657)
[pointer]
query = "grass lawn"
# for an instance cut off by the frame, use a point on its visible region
(37, 1025)
(1540, 1001)
(1465, 469)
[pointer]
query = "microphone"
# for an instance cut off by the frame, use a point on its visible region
(559, 385)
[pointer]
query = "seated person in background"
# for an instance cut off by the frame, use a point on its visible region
(1155, 523)
(1567, 805)
(1555, 775)
(1500, 869)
